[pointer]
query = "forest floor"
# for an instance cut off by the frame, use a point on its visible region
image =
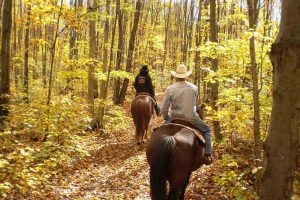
(118, 169)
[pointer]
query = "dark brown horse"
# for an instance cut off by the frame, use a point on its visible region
(173, 153)
(141, 111)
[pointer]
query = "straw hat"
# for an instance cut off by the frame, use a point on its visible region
(181, 72)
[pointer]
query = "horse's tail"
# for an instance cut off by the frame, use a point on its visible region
(139, 113)
(163, 152)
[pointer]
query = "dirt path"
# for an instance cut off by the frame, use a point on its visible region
(116, 170)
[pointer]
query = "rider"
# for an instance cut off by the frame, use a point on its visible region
(143, 83)
(182, 97)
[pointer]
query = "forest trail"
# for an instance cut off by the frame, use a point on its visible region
(118, 169)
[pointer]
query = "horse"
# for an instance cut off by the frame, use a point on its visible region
(141, 111)
(173, 152)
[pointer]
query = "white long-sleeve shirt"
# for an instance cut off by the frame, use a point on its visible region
(180, 101)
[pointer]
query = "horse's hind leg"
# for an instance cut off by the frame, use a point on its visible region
(184, 187)
(146, 137)
(137, 137)
(174, 194)
(141, 140)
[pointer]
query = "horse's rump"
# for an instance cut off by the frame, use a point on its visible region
(141, 111)
(186, 148)
(173, 152)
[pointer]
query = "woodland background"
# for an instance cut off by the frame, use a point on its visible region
(67, 92)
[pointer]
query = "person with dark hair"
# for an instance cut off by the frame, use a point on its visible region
(143, 83)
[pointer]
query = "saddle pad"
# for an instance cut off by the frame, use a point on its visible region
(198, 134)
(145, 95)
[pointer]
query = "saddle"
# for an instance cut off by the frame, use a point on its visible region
(187, 124)
(145, 94)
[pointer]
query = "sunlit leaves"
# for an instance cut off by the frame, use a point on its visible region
(3, 163)
(122, 75)
(232, 180)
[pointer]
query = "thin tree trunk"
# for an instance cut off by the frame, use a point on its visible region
(255, 90)
(130, 51)
(110, 57)
(105, 49)
(185, 30)
(120, 51)
(166, 43)
(1, 3)
(72, 50)
(92, 56)
(26, 55)
(20, 32)
(197, 55)
(105, 66)
(15, 50)
(52, 51)
(282, 143)
(214, 86)
(5, 59)
(44, 64)
(72, 40)
(190, 35)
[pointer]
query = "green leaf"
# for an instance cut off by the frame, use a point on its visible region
(3, 163)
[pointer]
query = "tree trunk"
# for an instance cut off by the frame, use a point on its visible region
(105, 49)
(5, 59)
(190, 35)
(197, 54)
(110, 57)
(282, 143)
(1, 3)
(185, 30)
(15, 26)
(255, 90)
(52, 51)
(72, 43)
(120, 51)
(20, 32)
(104, 67)
(92, 56)
(44, 64)
(15, 50)
(130, 51)
(166, 43)
(214, 86)
(26, 55)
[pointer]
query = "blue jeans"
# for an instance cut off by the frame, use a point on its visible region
(200, 125)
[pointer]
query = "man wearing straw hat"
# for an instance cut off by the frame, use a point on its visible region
(181, 97)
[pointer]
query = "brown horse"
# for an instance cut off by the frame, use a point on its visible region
(141, 111)
(173, 153)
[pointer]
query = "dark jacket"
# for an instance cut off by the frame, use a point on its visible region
(143, 83)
